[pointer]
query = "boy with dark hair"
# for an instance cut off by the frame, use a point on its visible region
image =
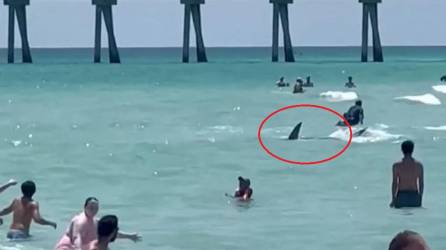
(24, 210)
(408, 179)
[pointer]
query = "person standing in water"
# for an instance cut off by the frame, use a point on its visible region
(24, 210)
(82, 229)
(350, 83)
(408, 179)
(107, 232)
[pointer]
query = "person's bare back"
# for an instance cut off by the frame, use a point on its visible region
(409, 172)
(408, 179)
(23, 213)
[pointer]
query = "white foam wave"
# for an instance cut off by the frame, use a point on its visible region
(428, 99)
(370, 136)
(382, 125)
(439, 128)
(16, 143)
(339, 96)
(440, 88)
(11, 248)
(221, 129)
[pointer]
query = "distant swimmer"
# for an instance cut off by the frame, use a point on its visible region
(107, 233)
(350, 83)
(282, 83)
(24, 210)
(354, 115)
(299, 86)
(308, 83)
(82, 229)
(244, 190)
(299, 80)
(408, 180)
(443, 78)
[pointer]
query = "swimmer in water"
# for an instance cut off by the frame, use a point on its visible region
(282, 83)
(244, 190)
(24, 210)
(107, 232)
(443, 78)
(350, 83)
(298, 87)
(82, 229)
(308, 83)
(408, 180)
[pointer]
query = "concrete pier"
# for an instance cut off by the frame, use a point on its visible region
(18, 8)
(192, 8)
(280, 10)
(104, 8)
(370, 9)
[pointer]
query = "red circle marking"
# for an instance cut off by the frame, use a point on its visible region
(305, 162)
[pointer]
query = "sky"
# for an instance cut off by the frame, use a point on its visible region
(227, 23)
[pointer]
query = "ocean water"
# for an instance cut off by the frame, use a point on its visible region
(160, 142)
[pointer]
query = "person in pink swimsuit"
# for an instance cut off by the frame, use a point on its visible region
(82, 230)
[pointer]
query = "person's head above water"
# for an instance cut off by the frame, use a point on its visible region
(350, 78)
(299, 80)
(408, 240)
(244, 183)
(407, 147)
(108, 228)
(91, 207)
(358, 103)
(282, 78)
(28, 189)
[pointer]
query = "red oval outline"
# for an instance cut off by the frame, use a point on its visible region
(305, 162)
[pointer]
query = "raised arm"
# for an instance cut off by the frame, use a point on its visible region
(131, 236)
(38, 218)
(7, 185)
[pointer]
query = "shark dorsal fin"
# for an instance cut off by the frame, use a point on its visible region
(296, 132)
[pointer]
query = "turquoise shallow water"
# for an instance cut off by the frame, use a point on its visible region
(160, 142)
